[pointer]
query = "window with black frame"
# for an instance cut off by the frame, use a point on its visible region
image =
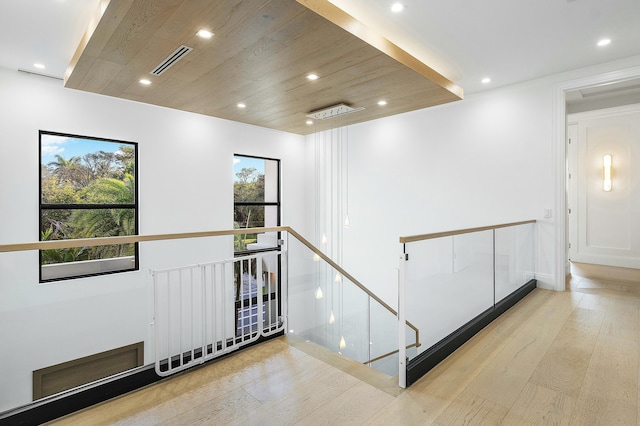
(256, 189)
(256, 197)
(88, 189)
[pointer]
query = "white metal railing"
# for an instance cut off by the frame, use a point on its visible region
(207, 310)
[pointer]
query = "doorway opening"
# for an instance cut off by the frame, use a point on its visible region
(565, 93)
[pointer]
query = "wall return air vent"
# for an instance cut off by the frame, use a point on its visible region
(170, 60)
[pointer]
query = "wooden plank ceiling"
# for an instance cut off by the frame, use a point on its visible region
(260, 55)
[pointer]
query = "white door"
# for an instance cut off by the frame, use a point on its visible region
(604, 225)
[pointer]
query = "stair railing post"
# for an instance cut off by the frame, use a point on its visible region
(284, 281)
(402, 337)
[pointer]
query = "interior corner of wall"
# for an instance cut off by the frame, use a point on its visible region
(547, 282)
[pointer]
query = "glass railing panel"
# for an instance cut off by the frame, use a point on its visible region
(449, 281)
(307, 316)
(325, 307)
(351, 309)
(384, 339)
(413, 341)
(514, 258)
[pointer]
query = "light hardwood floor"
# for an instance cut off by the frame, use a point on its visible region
(560, 358)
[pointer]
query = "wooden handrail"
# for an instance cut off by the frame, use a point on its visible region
(378, 358)
(352, 279)
(129, 239)
(414, 238)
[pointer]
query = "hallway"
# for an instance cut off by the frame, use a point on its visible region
(554, 358)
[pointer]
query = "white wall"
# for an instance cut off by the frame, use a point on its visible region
(185, 184)
(491, 158)
(482, 161)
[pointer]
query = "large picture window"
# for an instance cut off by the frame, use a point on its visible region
(88, 189)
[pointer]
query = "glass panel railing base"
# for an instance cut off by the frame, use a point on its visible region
(427, 360)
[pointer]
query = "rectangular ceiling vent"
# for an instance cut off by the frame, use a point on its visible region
(178, 54)
(333, 111)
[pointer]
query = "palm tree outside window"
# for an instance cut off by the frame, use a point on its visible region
(88, 189)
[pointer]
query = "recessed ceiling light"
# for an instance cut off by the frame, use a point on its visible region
(312, 77)
(397, 7)
(204, 34)
(39, 66)
(309, 122)
(486, 80)
(604, 42)
(382, 103)
(241, 105)
(145, 82)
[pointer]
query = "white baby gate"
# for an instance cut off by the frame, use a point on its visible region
(207, 310)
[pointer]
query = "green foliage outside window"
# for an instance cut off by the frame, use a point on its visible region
(248, 186)
(101, 181)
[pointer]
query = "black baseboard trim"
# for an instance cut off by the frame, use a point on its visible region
(60, 405)
(423, 363)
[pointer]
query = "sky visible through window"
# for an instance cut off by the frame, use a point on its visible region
(68, 147)
(240, 163)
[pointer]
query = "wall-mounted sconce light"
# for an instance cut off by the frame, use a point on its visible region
(606, 161)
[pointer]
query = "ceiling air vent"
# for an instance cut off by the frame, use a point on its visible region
(178, 54)
(333, 111)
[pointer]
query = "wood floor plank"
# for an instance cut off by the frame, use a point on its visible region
(272, 386)
(220, 410)
(624, 324)
(565, 364)
(609, 394)
(302, 399)
(354, 407)
(539, 405)
(410, 408)
(598, 411)
(562, 369)
(521, 355)
(476, 411)
(609, 303)
(496, 384)
(613, 369)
